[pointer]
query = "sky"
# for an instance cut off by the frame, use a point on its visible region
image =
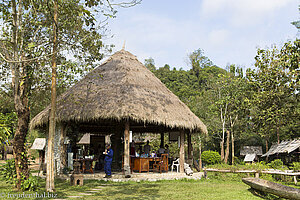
(228, 31)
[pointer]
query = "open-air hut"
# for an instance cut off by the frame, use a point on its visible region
(119, 96)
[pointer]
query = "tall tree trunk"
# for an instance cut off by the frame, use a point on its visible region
(267, 149)
(222, 150)
(20, 89)
(50, 157)
(19, 150)
(232, 148)
(277, 131)
(227, 147)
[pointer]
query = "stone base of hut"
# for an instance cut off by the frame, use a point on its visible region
(150, 176)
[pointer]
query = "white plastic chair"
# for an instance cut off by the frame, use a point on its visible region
(175, 163)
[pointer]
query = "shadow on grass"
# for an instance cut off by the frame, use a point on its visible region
(263, 195)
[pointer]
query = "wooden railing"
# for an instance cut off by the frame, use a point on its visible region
(278, 172)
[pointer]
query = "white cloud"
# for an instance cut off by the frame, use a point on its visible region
(242, 12)
(222, 30)
(219, 37)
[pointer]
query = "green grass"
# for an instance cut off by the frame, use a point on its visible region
(177, 189)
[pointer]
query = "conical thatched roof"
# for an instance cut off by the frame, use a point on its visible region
(122, 88)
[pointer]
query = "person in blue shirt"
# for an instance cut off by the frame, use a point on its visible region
(108, 160)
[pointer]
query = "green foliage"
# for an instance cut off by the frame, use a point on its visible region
(31, 183)
(275, 108)
(150, 64)
(8, 171)
(6, 125)
(255, 166)
(277, 164)
(210, 157)
(296, 166)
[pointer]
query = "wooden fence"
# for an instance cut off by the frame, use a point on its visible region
(278, 172)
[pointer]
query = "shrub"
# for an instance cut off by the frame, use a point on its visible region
(211, 157)
(296, 166)
(30, 184)
(277, 164)
(8, 172)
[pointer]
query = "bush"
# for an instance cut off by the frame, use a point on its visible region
(277, 164)
(296, 166)
(8, 172)
(30, 184)
(211, 157)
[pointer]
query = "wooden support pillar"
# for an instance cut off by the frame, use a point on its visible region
(63, 148)
(181, 158)
(162, 139)
(126, 151)
(117, 147)
(295, 180)
(190, 148)
(256, 174)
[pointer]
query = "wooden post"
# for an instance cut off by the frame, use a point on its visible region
(162, 139)
(126, 151)
(117, 147)
(256, 174)
(63, 148)
(200, 153)
(189, 140)
(181, 158)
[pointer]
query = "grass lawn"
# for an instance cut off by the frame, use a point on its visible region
(177, 189)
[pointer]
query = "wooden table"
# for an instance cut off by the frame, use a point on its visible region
(87, 164)
(142, 164)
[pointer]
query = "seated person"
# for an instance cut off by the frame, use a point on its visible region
(143, 155)
(147, 148)
(153, 154)
(161, 150)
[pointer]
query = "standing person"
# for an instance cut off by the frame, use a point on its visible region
(108, 160)
(132, 148)
(161, 150)
(167, 151)
(147, 148)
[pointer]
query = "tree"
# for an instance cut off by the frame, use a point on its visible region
(150, 64)
(25, 51)
(275, 86)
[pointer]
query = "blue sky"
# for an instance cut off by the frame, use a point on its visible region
(229, 31)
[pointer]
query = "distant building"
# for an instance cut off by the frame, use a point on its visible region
(287, 151)
(251, 153)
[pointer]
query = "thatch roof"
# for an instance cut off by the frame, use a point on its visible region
(251, 150)
(122, 88)
(283, 147)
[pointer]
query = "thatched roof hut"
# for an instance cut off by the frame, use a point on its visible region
(120, 89)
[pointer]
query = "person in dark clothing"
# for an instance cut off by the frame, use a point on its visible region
(108, 160)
